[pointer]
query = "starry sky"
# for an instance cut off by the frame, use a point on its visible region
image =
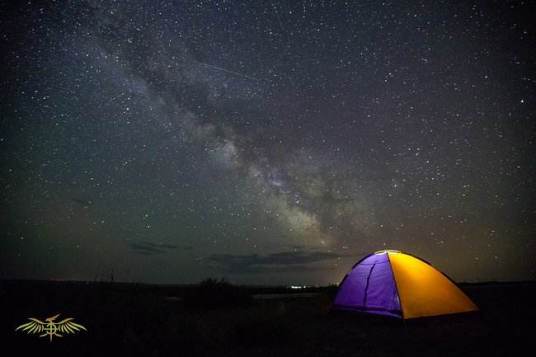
(267, 142)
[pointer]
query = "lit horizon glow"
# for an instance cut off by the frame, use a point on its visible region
(279, 143)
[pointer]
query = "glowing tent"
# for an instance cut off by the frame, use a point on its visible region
(400, 285)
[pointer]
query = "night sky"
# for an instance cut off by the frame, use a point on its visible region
(267, 142)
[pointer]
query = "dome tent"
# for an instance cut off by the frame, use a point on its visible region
(400, 285)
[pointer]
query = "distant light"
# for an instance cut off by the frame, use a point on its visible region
(297, 287)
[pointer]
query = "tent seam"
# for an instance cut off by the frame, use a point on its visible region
(396, 287)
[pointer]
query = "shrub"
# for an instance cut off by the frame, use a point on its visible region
(213, 293)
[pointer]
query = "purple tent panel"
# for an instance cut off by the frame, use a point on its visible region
(370, 287)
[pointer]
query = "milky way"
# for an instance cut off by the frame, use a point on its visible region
(266, 142)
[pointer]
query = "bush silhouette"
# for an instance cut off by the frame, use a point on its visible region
(213, 293)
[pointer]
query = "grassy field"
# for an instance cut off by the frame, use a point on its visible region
(131, 319)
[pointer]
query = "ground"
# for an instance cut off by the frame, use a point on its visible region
(133, 319)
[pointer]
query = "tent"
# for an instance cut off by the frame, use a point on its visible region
(395, 284)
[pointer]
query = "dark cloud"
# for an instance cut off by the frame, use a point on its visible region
(149, 248)
(82, 202)
(276, 262)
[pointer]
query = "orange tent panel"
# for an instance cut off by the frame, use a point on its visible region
(424, 291)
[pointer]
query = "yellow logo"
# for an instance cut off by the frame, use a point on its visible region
(50, 328)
